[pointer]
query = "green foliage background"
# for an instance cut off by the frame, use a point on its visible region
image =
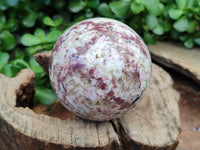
(28, 27)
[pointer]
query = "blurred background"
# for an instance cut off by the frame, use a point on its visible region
(28, 27)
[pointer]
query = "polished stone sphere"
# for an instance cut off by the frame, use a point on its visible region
(99, 69)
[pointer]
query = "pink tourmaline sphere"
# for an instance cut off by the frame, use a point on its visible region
(99, 69)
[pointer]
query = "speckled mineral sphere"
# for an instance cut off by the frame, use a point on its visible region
(99, 69)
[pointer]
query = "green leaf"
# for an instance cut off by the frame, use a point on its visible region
(190, 3)
(42, 82)
(158, 30)
(52, 36)
(76, 5)
(152, 6)
(33, 63)
(136, 24)
(37, 69)
(40, 34)
(19, 55)
(7, 70)
(128, 0)
(197, 41)
(45, 96)
(189, 43)
(3, 5)
(33, 49)
(175, 13)
(166, 25)
(11, 2)
(4, 57)
(136, 8)
(104, 10)
(162, 8)
(1, 26)
(93, 3)
(30, 40)
(48, 21)
(165, 1)
(47, 2)
(139, 1)
(175, 34)
(197, 16)
(148, 38)
(29, 20)
(181, 25)
(20, 63)
(8, 40)
(151, 21)
(89, 13)
(198, 2)
(181, 3)
(2, 18)
(2, 21)
(191, 26)
(120, 8)
(11, 25)
(48, 46)
(58, 20)
(183, 37)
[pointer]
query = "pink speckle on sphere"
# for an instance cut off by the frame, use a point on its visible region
(99, 69)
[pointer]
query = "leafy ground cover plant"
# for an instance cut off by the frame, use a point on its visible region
(28, 27)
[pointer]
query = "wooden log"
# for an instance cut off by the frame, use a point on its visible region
(22, 129)
(152, 124)
(43, 60)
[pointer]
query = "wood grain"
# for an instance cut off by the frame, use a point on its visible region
(153, 124)
(22, 129)
(176, 56)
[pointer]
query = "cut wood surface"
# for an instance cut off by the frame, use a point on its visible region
(177, 57)
(153, 124)
(22, 129)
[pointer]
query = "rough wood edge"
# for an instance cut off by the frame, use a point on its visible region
(170, 64)
(29, 130)
(125, 125)
(121, 127)
(43, 59)
(173, 64)
(37, 139)
(130, 144)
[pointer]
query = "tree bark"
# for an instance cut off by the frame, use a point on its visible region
(153, 124)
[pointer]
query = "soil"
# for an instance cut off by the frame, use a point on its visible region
(55, 110)
(189, 112)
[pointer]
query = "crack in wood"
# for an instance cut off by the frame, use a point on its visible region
(39, 131)
(122, 126)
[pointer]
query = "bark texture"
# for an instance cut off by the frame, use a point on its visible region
(153, 124)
